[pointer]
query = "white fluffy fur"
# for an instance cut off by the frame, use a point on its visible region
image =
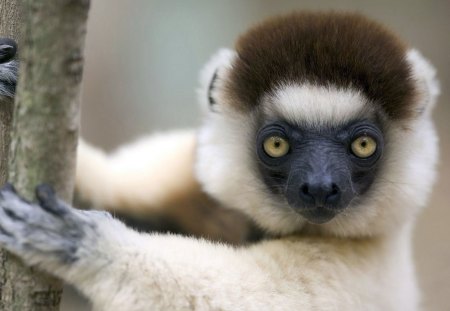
(314, 105)
(125, 270)
(145, 174)
(361, 260)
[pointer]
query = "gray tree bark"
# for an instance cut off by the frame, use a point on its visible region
(45, 129)
(10, 20)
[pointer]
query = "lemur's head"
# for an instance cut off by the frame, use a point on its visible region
(321, 122)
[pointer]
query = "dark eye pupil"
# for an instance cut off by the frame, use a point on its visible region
(364, 144)
(277, 144)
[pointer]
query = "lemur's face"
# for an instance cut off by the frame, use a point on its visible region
(319, 130)
(319, 171)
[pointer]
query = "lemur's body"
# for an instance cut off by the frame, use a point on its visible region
(319, 130)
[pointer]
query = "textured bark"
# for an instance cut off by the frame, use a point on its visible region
(10, 19)
(45, 128)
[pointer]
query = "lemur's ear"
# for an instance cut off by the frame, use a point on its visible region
(211, 79)
(426, 81)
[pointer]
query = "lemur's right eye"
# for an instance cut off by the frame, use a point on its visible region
(276, 146)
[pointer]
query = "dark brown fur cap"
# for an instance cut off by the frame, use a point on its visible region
(341, 49)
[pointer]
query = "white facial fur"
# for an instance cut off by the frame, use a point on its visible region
(320, 106)
(226, 162)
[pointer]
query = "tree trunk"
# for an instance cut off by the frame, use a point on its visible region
(45, 128)
(10, 20)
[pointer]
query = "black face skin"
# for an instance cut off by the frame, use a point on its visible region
(320, 174)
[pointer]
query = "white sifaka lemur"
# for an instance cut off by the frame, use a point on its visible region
(317, 127)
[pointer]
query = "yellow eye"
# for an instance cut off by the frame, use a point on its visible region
(276, 146)
(364, 146)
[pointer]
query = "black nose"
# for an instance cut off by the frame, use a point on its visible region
(320, 194)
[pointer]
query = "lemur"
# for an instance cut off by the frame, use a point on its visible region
(317, 127)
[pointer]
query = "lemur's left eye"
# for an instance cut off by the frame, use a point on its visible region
(364, 146)
(276, 146)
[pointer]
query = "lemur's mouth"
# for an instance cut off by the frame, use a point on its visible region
(319, 215)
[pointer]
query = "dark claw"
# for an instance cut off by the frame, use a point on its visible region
(44, 191)
(48, 200)
(8, 49)
(13, 215)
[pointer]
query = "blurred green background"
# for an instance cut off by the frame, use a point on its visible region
(141, 72)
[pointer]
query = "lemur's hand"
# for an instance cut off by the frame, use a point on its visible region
(46, 233)
(8, 67)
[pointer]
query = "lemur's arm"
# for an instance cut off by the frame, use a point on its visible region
(150, 184)
(120, 269)
(140, 178)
